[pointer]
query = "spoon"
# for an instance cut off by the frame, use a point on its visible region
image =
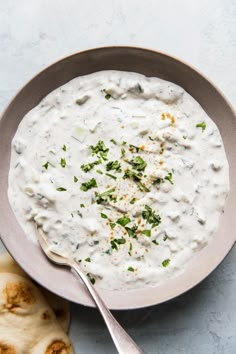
(123, 342)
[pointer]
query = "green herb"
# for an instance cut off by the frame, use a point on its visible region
(89, 166)
(131, 269)
(124, 220)
(82, 206)
(142, 187)
(166, 262)
(150, 216)
(88, 185)
(136, 176)
(132, 231)
(133, 147)
(91, 278)
(61, 189)
(88, 259)
(64, 147)
(169, 177)
(155, 242)
(46, 165)
(107, 95)
(100, 149)
(146, 233)
(105, 196)
(117, 241)
(112, 225)
(138, 163)
(130, 249)
(113, 165)
(104, 216)
(63, 162)
(100, 172)
(122, 152)
(201, 125)
(75, 179)
(184, 137)
(109, 251)
(124, 142)
(150, 138)
(79, 213)
(133, 200)
(165, 237)
(113, 141)
(112, 176)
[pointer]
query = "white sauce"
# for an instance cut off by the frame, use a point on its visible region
(160, 119)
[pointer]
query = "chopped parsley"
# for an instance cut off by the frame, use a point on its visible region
(150, 138)
(104, 216)
(136, 176)
(88, 185)
(201, 125)
(166, 262)
(107, 95)
(165, 237)
(117, 241)
(122, 152)
(124, 220)
(133, 200)
(113, 141)
(133, 148)
(112, 225)
(61, 189)
(150, 216)
(64, 147)
(142, 187)
(155, 242)
(138, 163)
(124, 142)
(46, 165)
(169, 177)
(105, 196)
(100, 172)
(87, 167)
(100, 149)
(82, 206)
(130, 249)
(131, 269)
(91, 278)
(63, 162)
(113, 165)
(131, 231)
(146, 233)
(88, 259)
(75, 179)
(112, 176)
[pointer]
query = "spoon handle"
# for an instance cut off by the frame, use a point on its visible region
(123, 342)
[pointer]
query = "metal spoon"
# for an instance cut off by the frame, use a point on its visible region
(123, 342)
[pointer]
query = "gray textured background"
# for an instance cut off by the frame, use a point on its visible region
(33, 34)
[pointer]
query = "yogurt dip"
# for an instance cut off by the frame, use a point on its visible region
(124, 173)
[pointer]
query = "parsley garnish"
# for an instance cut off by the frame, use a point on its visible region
(91, 278)
(131, 269)
(132, 231)
(64, 147)
(133, 147)
(89, 166)
(112, 225)
(169, 177)
(100, 172)
(82, 206)
(105, 196)
(88, 185)
(63, 162)
(107, 95)
(61, 189)
(166, 262)
(113, 165)
(124, 220)
(150, 216)
(104, 216)
(146, 233)
(46, 165)
(201, 125)
(150, 138)
(130, 249)
(122, 152)
(100, 149)
(165, 237)
(136, 176)
(113, 141)
(155, 242)
(117, 241)
(133, 200)
(138, 163)
(75, 179)
(88, 259)
(109, 175)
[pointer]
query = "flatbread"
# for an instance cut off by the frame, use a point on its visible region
(27, 323)
(60, 306)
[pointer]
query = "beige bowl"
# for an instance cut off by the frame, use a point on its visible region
(150, 63)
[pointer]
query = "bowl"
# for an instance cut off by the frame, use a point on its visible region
(150, 63)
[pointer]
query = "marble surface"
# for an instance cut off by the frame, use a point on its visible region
(33, 34)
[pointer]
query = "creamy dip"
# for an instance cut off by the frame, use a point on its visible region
(124, 173)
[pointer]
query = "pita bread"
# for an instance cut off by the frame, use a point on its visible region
(61, 307)
(27, 323)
